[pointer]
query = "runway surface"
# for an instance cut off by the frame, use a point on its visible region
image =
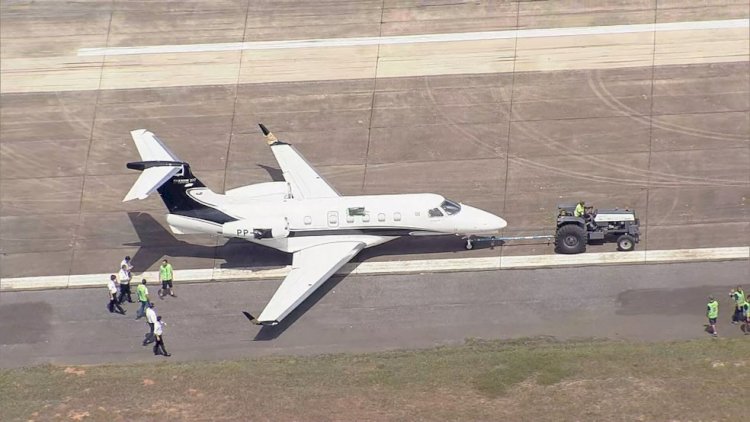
(356, 313)
(655, 120)
(556, 104)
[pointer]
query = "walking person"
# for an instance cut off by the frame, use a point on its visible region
(745, 327)
(738, 295)
(124, 276)
(151, 321)
(142, 293)
(712, 312)
(159, 334)
(112, 287)
(127, 263)
(166, 277)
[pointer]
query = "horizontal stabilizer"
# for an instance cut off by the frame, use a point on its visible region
(150, 147)
(150, 180)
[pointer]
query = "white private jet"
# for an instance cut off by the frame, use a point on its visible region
(303, 215)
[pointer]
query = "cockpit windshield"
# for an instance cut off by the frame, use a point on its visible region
(450, 207)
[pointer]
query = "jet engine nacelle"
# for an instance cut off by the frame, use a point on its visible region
(262, 228)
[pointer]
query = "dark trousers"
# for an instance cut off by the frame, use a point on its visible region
(125, 291)
(150, 335)
(738, 315)
(166, 288)
(159, 346)
(113, 304)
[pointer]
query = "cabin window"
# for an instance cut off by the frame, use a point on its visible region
(349, 218)
(333, 218)
(366, 218)
(450, 207)
(356, 211)
(396, 216)
(308, 220)
(435, 212)
(381, 217)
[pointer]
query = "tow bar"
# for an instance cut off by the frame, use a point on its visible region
(500, 240)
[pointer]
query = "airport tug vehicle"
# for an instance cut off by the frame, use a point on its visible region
(573, 233)
(603, 225)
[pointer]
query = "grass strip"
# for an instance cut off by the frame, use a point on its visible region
(529, 379)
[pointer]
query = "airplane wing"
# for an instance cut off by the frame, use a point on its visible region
(304, 181)
(310, 268)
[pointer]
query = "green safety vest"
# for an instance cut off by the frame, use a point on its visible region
(713, 309)
(165, 272)
(739, 297)
(579, 211)
(141, 291)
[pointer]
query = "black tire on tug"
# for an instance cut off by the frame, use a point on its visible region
(625, 243)
(570, 239)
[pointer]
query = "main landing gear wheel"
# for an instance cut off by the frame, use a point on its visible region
(625, 243)
(570, 239)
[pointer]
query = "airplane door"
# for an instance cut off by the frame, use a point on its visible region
(333, 219)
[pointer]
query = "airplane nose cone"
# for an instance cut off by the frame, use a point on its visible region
(485, 222)
(492, 223)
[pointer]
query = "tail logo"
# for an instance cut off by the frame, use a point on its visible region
(184, 181)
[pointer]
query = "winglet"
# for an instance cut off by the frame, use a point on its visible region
(271, 138)
(251, 318)
(255, 320)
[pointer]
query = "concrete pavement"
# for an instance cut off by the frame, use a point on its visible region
(402, 267)
(361, 313)
(669, 138)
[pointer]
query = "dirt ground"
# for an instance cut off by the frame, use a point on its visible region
(531, 379)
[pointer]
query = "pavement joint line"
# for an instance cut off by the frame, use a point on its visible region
(400, 267)
(414, 39)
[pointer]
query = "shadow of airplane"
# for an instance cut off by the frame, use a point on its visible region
(276, 174)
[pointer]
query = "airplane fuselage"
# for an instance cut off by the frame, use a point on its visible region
(273, 219)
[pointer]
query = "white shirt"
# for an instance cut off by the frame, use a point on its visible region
(151, 315)
(112, 287)
(126, 264)
(158, 327)
(124, 276)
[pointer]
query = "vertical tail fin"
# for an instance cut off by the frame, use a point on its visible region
(172, 178)
(158, 166)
